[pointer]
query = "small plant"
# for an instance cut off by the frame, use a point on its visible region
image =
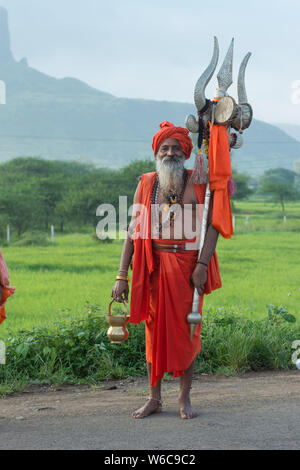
(277, 314)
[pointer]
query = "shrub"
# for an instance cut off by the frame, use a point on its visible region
(32, 238)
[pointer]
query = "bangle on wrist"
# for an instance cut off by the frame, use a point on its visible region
(122, 278)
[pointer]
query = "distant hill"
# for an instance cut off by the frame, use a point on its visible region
(67, 119)
(291, 129)
(266, 146)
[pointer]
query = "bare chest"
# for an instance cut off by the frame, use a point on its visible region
(176, 221)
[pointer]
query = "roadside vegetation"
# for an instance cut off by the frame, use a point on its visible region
(55, 330)
(79, 352)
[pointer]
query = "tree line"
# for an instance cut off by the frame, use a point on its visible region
(37, 193)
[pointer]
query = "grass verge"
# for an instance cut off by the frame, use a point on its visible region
(78, 351)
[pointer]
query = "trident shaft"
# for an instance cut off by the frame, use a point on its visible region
(194, 317)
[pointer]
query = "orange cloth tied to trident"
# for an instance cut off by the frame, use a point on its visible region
(219, 174)
(7, 290)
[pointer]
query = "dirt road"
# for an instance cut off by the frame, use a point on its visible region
(252, 411)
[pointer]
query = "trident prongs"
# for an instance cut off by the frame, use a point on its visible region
(225, 73)
(191, 124)
(241, 87)
(199, 93)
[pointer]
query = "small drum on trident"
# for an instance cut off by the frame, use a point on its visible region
(226, 110)
(244, 118)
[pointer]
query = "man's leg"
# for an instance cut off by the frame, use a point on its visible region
(185, 408)
(153, 404)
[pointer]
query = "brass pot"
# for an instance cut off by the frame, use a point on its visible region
(117, 332)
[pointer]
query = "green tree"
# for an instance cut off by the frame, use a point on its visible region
(20, 207)
(50, 190)
(279, 183)
(242, 185)
(32, 188)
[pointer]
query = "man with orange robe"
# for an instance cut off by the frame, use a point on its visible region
(166, 270)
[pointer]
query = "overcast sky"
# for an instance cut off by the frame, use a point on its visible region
(157, 50)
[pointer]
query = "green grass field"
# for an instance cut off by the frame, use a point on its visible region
(259, 266)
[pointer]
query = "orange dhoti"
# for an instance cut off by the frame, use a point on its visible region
(168, 344)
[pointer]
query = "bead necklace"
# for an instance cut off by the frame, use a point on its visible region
(173, 199)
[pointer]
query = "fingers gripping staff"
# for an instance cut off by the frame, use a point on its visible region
(215, 119)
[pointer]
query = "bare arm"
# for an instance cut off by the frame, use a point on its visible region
(120, 290)
(199, 276)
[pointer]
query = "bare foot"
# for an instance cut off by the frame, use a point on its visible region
(186, 411)
(151, 406)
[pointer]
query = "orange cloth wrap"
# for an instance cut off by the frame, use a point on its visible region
(162, 294)
(6, 293)
(7, 290)
(167, 130)
(219, 174)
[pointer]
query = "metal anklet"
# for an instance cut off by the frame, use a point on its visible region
(155, 399)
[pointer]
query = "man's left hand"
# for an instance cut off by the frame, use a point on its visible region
(199, 277)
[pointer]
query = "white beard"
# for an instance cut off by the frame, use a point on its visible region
(170, 174)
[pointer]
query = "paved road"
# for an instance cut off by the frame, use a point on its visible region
(252, 411)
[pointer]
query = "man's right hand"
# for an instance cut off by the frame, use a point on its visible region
(199, 277)
(120, 291)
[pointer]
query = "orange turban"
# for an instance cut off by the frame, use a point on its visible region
(167, 130)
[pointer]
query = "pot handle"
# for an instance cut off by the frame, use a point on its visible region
(124, 305)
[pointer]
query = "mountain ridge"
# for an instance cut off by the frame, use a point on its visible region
(292, 130)
(65, 118)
